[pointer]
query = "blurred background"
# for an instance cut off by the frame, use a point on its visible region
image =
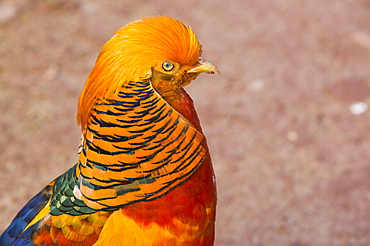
(286, 121)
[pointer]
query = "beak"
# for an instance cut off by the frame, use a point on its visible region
(204, 66)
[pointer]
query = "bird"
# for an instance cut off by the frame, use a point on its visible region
(144, 174)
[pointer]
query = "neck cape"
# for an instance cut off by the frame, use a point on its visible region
(136, 147)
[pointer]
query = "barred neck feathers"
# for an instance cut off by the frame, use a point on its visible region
(136, 148)
(132, 53)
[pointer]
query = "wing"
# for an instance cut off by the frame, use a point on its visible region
(55, 216)
(27, 214)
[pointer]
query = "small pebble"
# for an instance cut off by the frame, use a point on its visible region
(292, 136)
(257, 85)
(358, 108)
(7, 11)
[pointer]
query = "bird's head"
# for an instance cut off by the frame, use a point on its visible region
(160, 49)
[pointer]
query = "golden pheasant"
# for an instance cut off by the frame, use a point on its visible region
(144, 174)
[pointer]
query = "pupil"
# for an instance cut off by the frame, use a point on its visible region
(167, 65)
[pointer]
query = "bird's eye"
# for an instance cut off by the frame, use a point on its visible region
(167, 66)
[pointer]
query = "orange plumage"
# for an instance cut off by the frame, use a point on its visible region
(144, 175)
(131, 54)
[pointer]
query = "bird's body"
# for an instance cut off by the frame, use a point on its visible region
(144, 175)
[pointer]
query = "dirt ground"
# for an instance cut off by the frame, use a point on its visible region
(290, 153)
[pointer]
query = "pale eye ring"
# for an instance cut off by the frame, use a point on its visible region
(167, 66)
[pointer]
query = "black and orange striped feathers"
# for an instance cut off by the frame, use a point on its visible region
(144, 175)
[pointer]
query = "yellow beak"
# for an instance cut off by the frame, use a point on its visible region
(204, 66)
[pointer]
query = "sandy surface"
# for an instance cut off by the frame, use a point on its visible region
(292, 160)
